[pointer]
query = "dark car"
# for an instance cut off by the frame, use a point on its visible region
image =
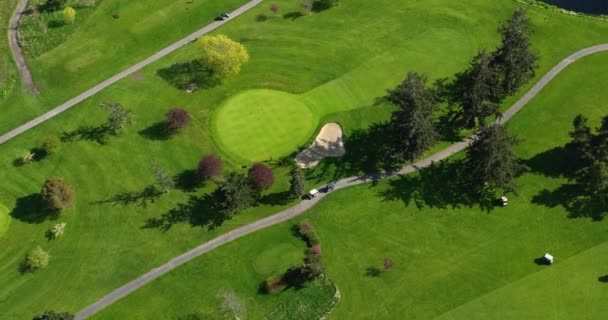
(223, 16)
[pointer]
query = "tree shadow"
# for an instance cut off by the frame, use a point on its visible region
(97, 134)
(541, 261)
(33, 209)
(373, 272)
(293, 15)
(188, 181)
(441, 185)
(603, 279)
(276, 199)
(157, 131)
(319, 6)
(261, 17)
(555, 163)
(56, 23)
(570, 197)
(184, 75)
(367, 151)
(140, 198)
(198, 212)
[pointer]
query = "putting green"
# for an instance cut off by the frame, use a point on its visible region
(258, 124)
(4, 219)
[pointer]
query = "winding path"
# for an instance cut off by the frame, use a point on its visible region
(13, 40)
(303, 206)
(81, 97)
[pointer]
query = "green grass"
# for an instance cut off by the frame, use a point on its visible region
(452, 261)
(7, 68)
(312, 302)
(5, 220)
(337, 75)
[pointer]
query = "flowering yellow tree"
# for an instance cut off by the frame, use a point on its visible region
(223, 55)
(69, 14)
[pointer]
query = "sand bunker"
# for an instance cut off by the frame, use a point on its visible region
(327, 144)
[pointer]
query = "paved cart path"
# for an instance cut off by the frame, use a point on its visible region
(303, 206)
(13, 40)
(81, 97)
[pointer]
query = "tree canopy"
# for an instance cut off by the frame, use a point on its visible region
(261, 176)
(412, 124)
(223, 55)
(57, 193)
(235, 193)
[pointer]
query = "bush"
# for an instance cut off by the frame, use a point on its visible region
(209, 167)
(315, 250)
(308, 232)
(57, 193)
(261, 176)
(26, 157)
(54, 5)
(52, 315)
(50, 145)
(274, 284)
(177, 119)
(57, 230)
(37, 259)
(69, 15)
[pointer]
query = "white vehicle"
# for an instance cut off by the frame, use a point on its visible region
(313, 193)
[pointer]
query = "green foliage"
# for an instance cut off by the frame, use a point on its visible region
(491, 162)
(223, 55)
(514, 58)
(164, 181)
(479, 91)
(235, 193)
(54, 5)
(57, 230)
(118, 117)
(52, 315)
(37, 259)
(296, 182)
(230, 305)
(312, 302)
(26, 157)
(57, 193)
(50, 145)
(69, 15)
(412, 125)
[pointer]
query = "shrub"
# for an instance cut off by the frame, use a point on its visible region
(69, 15)
(50, 145)
(52, 315)
(26, 157)
(388, 264)
(116, 15)
(209, 167)
(307, 231)
(315, 250)
(261, 176)
(54, 5)
(177, 119)
(274, 8)
(57, 230)
(223, 55)
(57, 193)
(37, 259)
(274, 284)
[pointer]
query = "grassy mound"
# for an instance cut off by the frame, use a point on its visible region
(257, 125)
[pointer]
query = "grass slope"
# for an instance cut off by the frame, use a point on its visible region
(114, 231)
(452, 260)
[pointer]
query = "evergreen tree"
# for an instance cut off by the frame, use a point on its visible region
(412, 124)
(581, 141)
(479, 91)
(491, 163)
(235, 193)
(296, 182)
(514, 58)
(594, 181)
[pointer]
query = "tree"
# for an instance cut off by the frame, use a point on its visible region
(514, 58)
(261, 176)
(296, 182)
(54, 5)
(581, 141)
(235, 193)
(326, 4)
(37, 259)
(308, 5)
(231, 305)
(412, 124)
(165, 182)
(26, 157)
(52, 315)
(490, 160)
(118, 118)
(479, 92)
(223, 56)
(50, 145)
(388, 264)
(69, 15)
(209, 167)
(177, 119)
(594, 181)
(57, 230)
(274, 8)
(57, 193)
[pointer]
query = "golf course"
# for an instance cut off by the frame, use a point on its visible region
(453, 258)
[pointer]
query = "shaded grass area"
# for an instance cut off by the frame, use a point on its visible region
(452, 257)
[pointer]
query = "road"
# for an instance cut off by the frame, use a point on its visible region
(81, 97)
(303, 206)
(13, 40)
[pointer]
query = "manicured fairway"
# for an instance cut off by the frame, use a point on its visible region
(260, 124)
(451, 261)
(4, 219)
(336, 62)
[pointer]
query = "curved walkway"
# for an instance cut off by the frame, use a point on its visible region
(13, 40)
(81, 97)
(303, 206)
